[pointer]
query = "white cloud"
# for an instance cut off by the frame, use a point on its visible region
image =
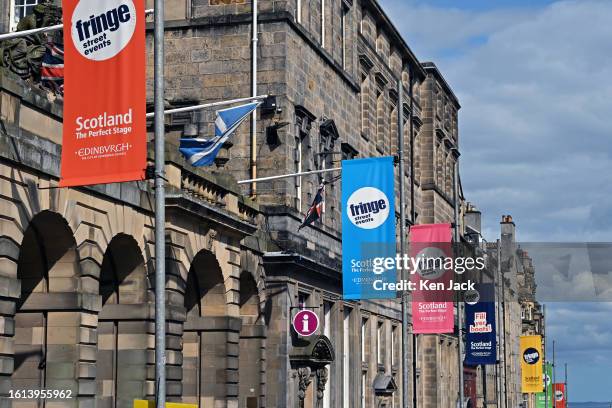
(535, 112)
(432, 29)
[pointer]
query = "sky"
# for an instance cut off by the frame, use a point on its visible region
(534, 79)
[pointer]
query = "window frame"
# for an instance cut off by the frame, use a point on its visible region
(15, 16)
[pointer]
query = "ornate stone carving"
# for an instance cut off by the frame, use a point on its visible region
(304, 381)
(211, 236)
(322, 352)
(322, 377)
(24, 56)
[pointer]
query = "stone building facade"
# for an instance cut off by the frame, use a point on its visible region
(519, 313)
(76, 303)
(77, 295)
(532, 311)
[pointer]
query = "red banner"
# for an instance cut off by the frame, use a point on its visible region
(104, 138)
(560, 395)
(432, 312)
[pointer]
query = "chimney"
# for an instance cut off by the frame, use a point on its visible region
(472, 221)
(509, 251)
(508, 229)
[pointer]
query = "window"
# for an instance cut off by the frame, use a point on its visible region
(343, 34)
(327, 309)
(361, 25)
(323, 23)
(348, 152)
(393, 124)
(298, 11)
(22, 9)
(364, 325)
(298, 168)
(528, 315)
(381, 120)
(303, 156)
(364, 97)
(449, 176)
(407, 143)
(437, 164)
(393, 345)
(380, 338)
(328, 134)
(363, 389)
(303, 300)
(346, 357)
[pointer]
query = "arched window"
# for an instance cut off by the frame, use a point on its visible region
(122, 343)
(205, 333)
(250, 370)
(45, 331)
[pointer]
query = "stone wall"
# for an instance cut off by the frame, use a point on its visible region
(76, 271)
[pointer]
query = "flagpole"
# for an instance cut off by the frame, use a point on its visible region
(303, 173)
(402, 229)
(208, 105)
(160, 208)
(40, 30)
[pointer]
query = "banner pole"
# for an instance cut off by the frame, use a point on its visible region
(554, 374)
(160, 208)
(546, 379)
(497, 338)
(402, 197)
(415, 340)
(565, 391)
(503, 317)
(459, 300)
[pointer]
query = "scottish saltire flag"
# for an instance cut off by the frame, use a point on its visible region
(202, 152)
(316, 209)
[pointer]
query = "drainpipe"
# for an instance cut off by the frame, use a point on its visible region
(459, 300)
(254, 90)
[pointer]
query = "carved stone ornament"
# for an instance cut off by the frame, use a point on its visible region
(304, 381)
(322, 352)
(210, 240)
(24, 56)
(322, 377)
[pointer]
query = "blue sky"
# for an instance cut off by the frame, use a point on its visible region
(534, 79)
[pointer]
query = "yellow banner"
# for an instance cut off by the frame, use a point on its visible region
(151, 404)
(532, 380)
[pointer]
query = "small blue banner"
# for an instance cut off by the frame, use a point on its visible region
(480, 342)
(368, 227)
